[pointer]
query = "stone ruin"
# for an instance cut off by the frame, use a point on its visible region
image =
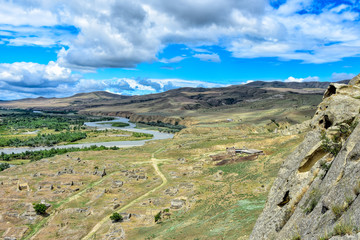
(21, 186)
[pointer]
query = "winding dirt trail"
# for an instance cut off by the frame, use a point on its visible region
(154, 162)
(38, 227)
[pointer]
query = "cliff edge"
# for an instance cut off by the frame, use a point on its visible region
(316, 193)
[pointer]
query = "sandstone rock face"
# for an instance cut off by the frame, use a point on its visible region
(355, 80)
(318, 186)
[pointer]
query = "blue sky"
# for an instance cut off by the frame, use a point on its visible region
(59, 48)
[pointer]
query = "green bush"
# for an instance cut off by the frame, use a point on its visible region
(296, 237)
(157, 217)
(342, 229)
(40, 208)
(312, 201)
(43, 139)
(331, 146)
(120, 124)
(4, 166)
(324, 166)
(116, 217)
(37, 155)
(326, 236)
(338, 211)
(138, 135)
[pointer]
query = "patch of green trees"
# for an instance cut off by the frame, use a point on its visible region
(43, 139)
(170, 127)
(4, 166)
(40, 208)
(116, 217)
(37, 155)
(138, 135)
(119, 124)
(30, 120)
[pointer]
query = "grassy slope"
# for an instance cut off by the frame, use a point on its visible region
(219, 208)
(226, 208)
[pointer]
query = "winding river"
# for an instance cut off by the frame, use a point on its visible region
(101, 126)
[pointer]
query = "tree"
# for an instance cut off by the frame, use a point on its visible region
(157, 217)
(4, 166)
(116, 217)
(40, 208)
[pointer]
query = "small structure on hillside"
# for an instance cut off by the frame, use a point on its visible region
(22, 186)
(234, 151)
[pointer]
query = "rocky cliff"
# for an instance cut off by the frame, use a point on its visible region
(316, 193)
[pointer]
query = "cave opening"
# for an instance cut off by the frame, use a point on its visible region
(330, 91)
(285, 200)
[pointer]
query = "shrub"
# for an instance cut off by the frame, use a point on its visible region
(116, 217)
(342, 229)
(157, 217)
(325, 237)
(4, 166)
(324, 166)
(331, 146)
(40, 208)
(338, 211)
(349, 200)
(312, 201)
(296, 237)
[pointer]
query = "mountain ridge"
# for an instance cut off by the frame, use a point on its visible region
(260, 84)
(184, 102)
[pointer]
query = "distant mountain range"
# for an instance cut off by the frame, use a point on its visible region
(177, 102)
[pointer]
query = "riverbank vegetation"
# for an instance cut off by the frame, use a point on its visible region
(119, 124)
(20, 128)
(26, 120)
(43, 139)
(161, 127)
(37, 155)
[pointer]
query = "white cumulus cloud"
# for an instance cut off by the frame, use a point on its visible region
(308, 79)
(124, 33)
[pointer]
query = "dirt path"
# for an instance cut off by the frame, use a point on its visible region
(107, 218)
(37, 228)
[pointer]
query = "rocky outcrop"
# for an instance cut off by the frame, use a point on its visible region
(316, 193)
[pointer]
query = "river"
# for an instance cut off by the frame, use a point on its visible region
(101, 126)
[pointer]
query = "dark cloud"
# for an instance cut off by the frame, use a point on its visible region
(149, 83)
(207, 12)
(22, 80)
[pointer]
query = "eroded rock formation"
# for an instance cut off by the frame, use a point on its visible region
(316, 193)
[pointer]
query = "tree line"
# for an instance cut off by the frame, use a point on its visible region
(30, 120)
(43, 139)
(170, 127)
(37, 155)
